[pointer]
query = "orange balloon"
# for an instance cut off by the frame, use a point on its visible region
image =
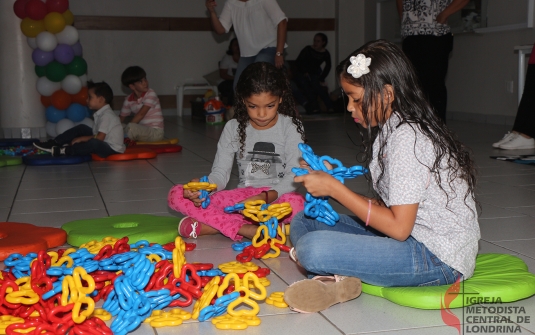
(61, 99)
(69, 17)
(31, 28)
(45, 101)
(80, 97)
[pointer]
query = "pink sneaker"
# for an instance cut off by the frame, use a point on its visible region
(188, 227)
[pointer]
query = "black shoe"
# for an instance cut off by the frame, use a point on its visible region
(57, 151)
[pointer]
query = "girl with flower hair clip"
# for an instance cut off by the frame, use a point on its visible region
(421, 228)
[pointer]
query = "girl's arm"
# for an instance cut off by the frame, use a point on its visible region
(395, 221)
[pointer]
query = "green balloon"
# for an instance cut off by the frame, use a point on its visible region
(40, 71)
(78, 66)
(55, 71)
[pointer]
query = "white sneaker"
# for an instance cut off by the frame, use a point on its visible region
(519, 142)
(508, 137)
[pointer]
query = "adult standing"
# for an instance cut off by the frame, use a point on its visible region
(427, 42)
(259, 25)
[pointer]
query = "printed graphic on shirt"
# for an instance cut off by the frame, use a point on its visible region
(260, 165)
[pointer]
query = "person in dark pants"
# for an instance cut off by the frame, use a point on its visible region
(309, 76)
(427, 42)
(104, 139)
(523, 133)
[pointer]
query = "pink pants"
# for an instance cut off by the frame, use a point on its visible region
(215, 216)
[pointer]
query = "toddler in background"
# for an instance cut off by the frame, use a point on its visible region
(147, 122)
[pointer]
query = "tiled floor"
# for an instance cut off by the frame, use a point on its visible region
(53, 195)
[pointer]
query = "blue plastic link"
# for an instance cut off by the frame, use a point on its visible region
(240, 246)
(204, 194)
(219, 307)
(235, 208)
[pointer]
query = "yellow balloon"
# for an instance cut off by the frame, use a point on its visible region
(54, 22)
(31, 28)
(69, 17)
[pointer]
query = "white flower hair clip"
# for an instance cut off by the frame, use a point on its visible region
(359, 65)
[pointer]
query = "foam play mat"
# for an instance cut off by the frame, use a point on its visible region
(131, 153)
(161, 148)
(10, 160)
(519, 159)
(155, 229)
(16, 142)
(497, 276)
(38, 160)
(166, 141)
(23, 238)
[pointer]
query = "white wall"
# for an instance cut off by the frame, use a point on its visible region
(170, 58)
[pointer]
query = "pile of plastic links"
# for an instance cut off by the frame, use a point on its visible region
(318, 207)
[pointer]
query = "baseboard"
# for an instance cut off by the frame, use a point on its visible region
(30, 132)
(481, 118)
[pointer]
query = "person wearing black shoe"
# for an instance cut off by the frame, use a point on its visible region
(104, 139)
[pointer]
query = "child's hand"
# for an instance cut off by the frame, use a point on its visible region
(317, 183)
(210, 5)
(193, 196)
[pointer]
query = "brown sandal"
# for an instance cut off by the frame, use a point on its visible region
(321, 292)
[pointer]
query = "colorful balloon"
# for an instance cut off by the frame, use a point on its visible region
(87, 121)
(31, 28)
(46, 87)
(45, 101)
(78, 66)
(69, 17)
(76, 112)
(19, 7)
(54, 22)
(68, 36)
(32, 42)
(42, 58)
(80, 97)
(83, 79)
(54, 115)
(60, 99)
(63, 53)
(46, 41)
(56, 72)
(51, 129)
(40, 71)
(59, 6)
(77, 48)
(71, 84)
(36, 9)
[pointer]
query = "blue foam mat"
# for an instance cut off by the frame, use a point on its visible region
(50, 160)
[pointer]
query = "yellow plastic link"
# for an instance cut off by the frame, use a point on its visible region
(276, 299)
(63, 260)
(6, 320)
(237, 267)
(210, 290)
(69, 251)
(26, 297)
(154, 258)
(101, 314)
(54, 256)
(24, 283)
(197, 186)
(95, 246)
(75, 292)
(235, 322)
(173, 317)
(242, 285)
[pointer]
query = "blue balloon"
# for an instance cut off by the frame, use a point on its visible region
(54, 115)
(76, 112)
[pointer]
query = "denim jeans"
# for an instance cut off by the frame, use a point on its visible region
(349, 249)
(93, 146)
(265, 55)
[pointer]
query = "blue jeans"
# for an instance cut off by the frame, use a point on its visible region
(265, 55)
(349, 249)
(93, 146)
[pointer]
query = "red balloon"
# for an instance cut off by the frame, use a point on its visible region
(61, 99)
(36, 10)
(19, 7)
(80, 97)
(59, 6)
(45, 101)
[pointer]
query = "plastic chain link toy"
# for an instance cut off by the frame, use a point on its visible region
(204, 187)
(318, 207)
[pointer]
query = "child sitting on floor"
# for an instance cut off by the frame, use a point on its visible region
(104, 139)
(147, 122)
(422, 229)
(263, 136)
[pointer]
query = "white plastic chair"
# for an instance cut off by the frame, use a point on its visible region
(201, 84)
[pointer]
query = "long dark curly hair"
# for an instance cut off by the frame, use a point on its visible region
(389, 66)
(260, 78)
